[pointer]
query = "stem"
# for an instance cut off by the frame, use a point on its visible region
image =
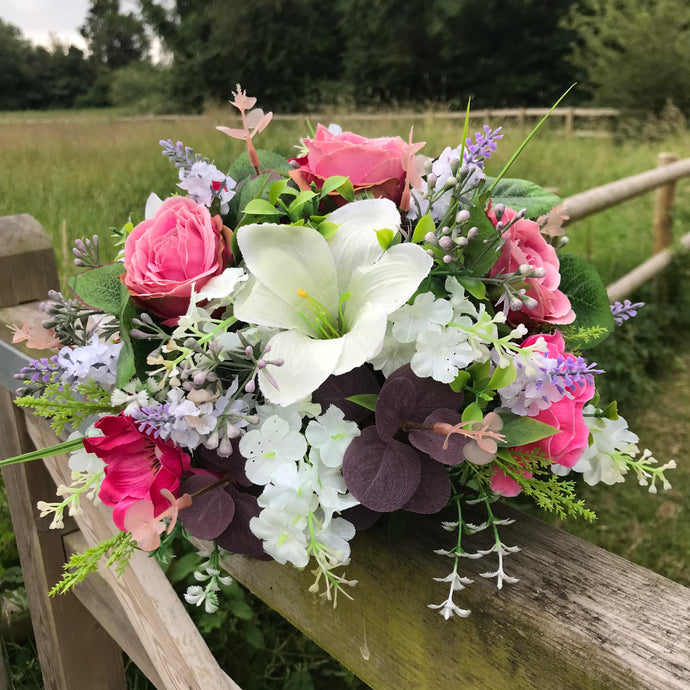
(57, 449)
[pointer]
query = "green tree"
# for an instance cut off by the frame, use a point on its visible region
(635, 54)
(114, 39)
(284, 52)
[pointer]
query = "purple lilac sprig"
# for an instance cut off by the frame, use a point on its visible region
(86, 252)
(180, 156)
(568, 373)
(38, 374)
(485, 144)
(623, 311)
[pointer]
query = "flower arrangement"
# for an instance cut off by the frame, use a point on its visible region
(284, 354)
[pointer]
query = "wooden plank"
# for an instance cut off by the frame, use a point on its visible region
(585, 204)
(663, 207)
(580, 617)
(635, 279)
(27, 261)
(140, 609)
(66, 634)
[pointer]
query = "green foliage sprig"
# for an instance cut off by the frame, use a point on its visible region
(118, 548)
(546, 489)
(64, 405)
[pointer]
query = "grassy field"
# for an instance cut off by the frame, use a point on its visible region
(82, 175)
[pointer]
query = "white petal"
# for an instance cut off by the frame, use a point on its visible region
(355, 243)
(308, 363)
(364, 339)
(287, 258)
(388, 283)
(256, 304)
(153, 203)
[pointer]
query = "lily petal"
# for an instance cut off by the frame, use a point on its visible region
(388, 283)
(287, 258)
(364, 340)
(355, 243)
(308, 363)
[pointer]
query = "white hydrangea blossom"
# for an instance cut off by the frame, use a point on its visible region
(601, 461)
(442, 355)
(426, 313)
(270, 446)
(331, 434)
(301, 497)
(94, 362)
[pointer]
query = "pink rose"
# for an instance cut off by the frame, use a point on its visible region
(373, 164)
(165, 256)
(566, 447)
(524, 244)
(504, 485)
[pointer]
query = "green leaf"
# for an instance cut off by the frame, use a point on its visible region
(474, 286)
(423, 227)
(461, 379)
(298, 680)
(252, 634)
(327, 229)
(480, 257)
(277, 188)
(295, 208)
(253, 188)
(100, 287)
(347, 191)
(385, 237)
(587, 294)
(611, 411)
(521, 430)
(241, 609)
(332, 184)
(472, 413)
(181, 568)
(367, 400)
(268, 160)
(502, 377)
(519, 194)
(132, 359)
(260, 207)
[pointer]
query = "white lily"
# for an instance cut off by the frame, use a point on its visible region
(330, 296)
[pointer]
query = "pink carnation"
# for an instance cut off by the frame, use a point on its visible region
(376, 165)
(138, 466)
(524, 244)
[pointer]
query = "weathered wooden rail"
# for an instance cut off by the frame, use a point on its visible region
(579, 617)
(668, 171)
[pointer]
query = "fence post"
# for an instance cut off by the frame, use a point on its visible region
(663, 207)
(74, 650)
(569, 122)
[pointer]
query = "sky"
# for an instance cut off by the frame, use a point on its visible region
(38, 19)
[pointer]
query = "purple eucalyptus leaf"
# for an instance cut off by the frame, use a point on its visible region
(238, 538)
(335, 389)
(432, 443)
(361, 517)
(430, 394)
(433, 491)
(381, 475)
(211, 513)
(394, 407)
(232, 465)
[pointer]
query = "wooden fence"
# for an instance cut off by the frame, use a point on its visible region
(579, 617)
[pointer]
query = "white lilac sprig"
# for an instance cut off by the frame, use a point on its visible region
(613, 451)
(209, 573)
(83, 484)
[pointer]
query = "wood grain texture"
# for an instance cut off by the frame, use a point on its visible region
(598, 199)
(66, 634)
(27, 260)
(580, 617)
(663, 207)
(140, 610)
